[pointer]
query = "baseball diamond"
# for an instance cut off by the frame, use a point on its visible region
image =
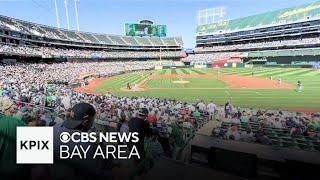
(234, 85)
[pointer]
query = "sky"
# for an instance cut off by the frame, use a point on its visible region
(109, 16)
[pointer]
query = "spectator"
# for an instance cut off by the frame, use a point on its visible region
(233, 130)
(140, 125)
(247, 136)
(262, 138)
(177, 141)
(81, 119)
(8, 125)
(227, 109)
(211, 109)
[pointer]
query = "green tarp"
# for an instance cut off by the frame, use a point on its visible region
(288, 15)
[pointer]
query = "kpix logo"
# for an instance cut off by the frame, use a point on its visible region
(29, 145)
(34, 145)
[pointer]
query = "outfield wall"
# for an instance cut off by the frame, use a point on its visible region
(287, 61)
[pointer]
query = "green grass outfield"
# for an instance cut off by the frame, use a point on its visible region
(218, 92)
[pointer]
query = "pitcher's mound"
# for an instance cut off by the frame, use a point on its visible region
(180, 82)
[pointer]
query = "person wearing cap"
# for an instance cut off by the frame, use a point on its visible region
(81, 119)
(8, 108)
(139, 124)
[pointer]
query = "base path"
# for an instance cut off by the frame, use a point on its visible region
(138, 87)
(237, 82)
(93, 84)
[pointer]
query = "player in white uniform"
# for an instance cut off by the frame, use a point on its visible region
(299, 86)
(279, 81)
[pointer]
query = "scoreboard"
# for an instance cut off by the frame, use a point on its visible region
(145, 30)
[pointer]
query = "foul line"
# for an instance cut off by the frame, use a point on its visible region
(223, 88)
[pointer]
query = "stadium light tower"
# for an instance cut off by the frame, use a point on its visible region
(76, 11)
(57, 14)
(67, 13)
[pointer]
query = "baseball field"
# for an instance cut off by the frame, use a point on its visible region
(267, 88)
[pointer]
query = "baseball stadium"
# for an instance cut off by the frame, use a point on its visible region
(243, 103)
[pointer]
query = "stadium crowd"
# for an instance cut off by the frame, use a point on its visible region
(50, 52)
(260, 126)
(207, 58)
(48, 85)
(40, 95)
(265, 44)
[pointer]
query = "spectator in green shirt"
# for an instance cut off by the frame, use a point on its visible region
(177, 140)
(153, 149)
(8, 125)
(196, 114)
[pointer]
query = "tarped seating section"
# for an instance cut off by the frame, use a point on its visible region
(225, 62)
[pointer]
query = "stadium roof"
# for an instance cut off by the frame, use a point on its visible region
(284, 16)
(39, 30)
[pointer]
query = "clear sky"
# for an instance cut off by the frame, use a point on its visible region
(109, 16)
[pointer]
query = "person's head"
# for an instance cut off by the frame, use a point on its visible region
(234, 128)
(179, 122)
(81, 117)
(34, 120)
(41, 123)
(248, 129)
(8, 108)
(231, 137)
(62, 115)
(143, 113)
(26, 118)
